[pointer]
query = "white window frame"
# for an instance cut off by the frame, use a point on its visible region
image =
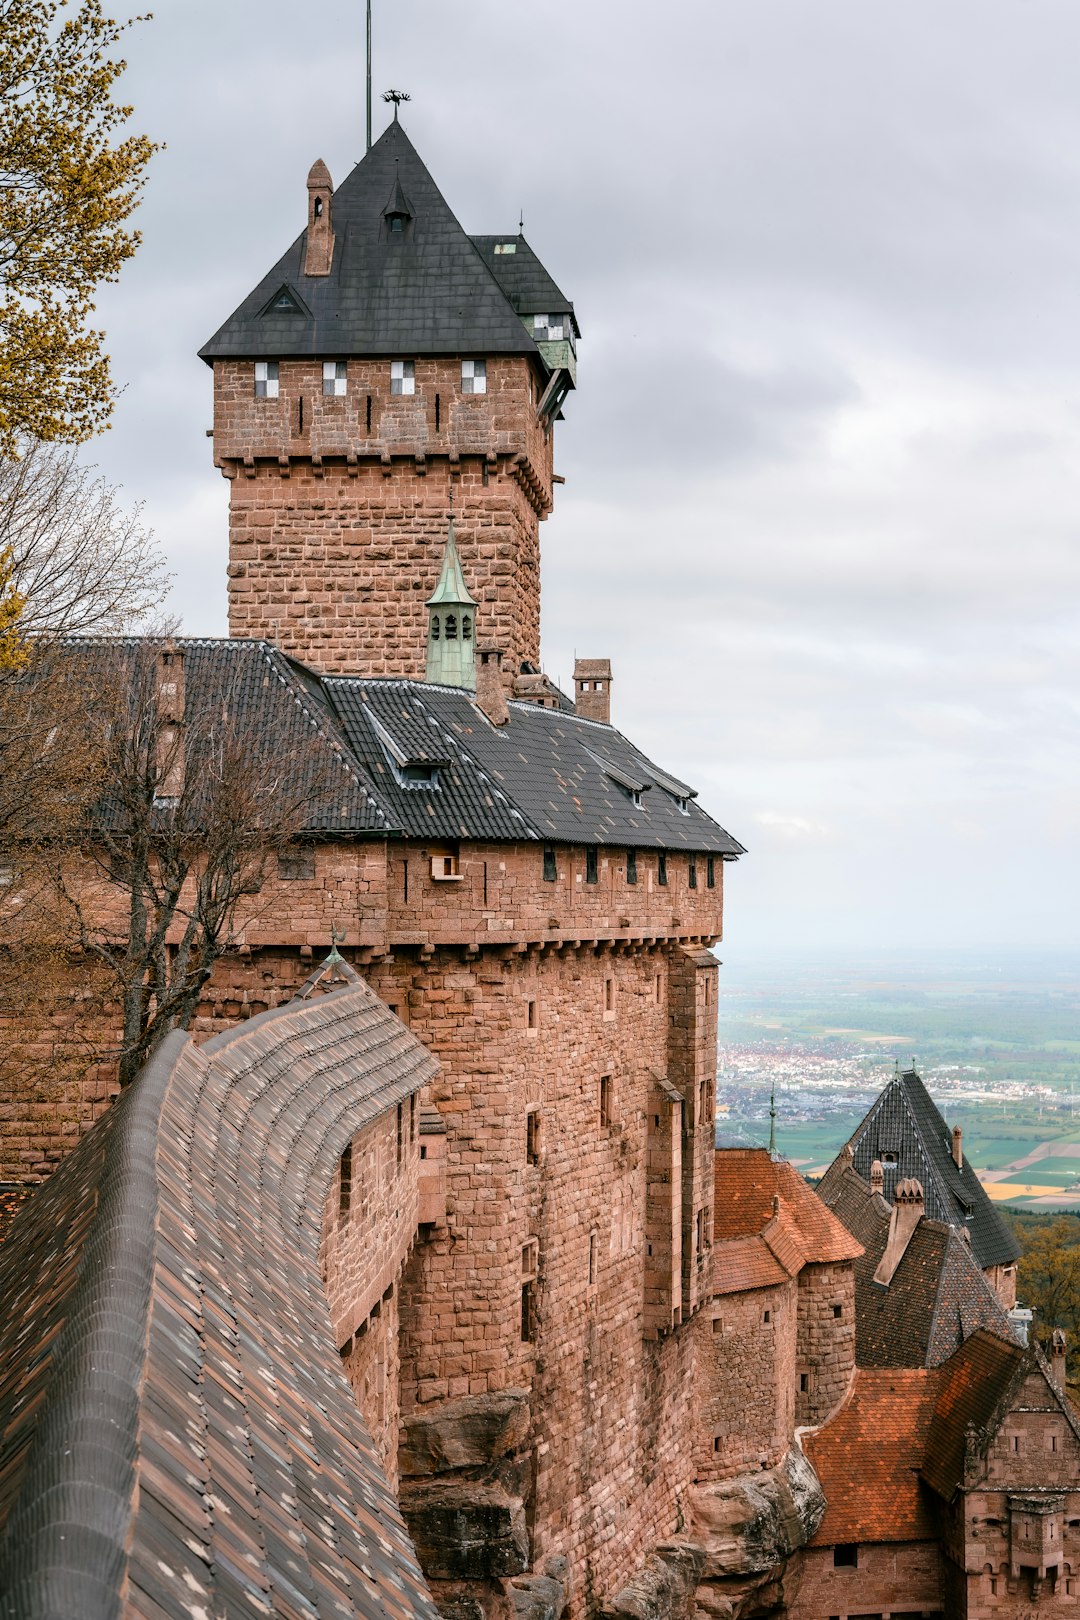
(474, 376)
(334, 378)
(403, 377)
(267, 379)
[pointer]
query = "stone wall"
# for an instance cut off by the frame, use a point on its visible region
(825, 1353)
(338, 508)
(890, 1579)
(746, 1383)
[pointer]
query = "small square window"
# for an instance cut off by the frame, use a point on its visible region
(591, 874)
(333, 377)
(266, 379)
(402, 377)
(661, 869)
(474, 376)
(845, 1556)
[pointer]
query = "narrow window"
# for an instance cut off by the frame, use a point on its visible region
(631, 866)
(345, 1182)
(466, 627)
(334, 377)
(1016, 1442)
(318, 208)
(405, 881)
(838, 1311)
(766, 1317)
(699, 1235)
(551, 871)
(369, 413)
(693, 872)
(609, 998)
(658, 990)
(605, 1101)
(533, 1016)
(590, 864)
(300, 414)
(528, 1291)
(438, 413)
(716, 1442)
(435, 631)
(661, 869)
(400, 1131)
(412, 1117)
(474, 376)
(703, 1102)
(532, 1136)
(451, 627)
(710, 871)
(402, 377)
(592, 1258)
(266, 379)
(804, 1383)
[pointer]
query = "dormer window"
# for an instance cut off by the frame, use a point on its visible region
(397, 223)
(474, 376)
(334, 376)
(402, 377)
(266, 379)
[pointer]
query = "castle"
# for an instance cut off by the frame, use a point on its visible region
(415, 1283)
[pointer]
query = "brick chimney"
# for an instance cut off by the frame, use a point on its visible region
(592, 688)
(490, 692)
(958, 1147)
(1058, 1347)
(877, 1177)
(319, 248)
(909, 1207)
(171, 703)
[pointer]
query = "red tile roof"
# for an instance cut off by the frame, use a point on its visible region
(745, 1263)
(973, 1381)
(867, 1459)
(747, 1180)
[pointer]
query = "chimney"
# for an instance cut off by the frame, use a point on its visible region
(319, 248)
(592, 689)
(877, 1178)
(957, 1147)
(909, 1207)
(490, 693)
(1058, 1347)
(170, 702)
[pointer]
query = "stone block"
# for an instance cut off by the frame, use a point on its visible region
(468, 1433)
(465, 1531)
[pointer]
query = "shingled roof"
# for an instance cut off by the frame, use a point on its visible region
(937, 1297)
(906, 1133)
(428, 289)
(177, 1436)
(867, 1459)
(767, 1223)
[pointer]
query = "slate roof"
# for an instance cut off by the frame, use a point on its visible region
(523, 278)
(425, 290)
(938, 1295)
(867, 1459)
(177, 1436)
(905, 1121)
(543, 776)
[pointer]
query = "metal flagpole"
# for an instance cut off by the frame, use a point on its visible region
(369, 75)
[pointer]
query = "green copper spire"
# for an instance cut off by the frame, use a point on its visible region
(451, 645)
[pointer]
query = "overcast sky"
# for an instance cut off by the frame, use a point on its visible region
(821, 503)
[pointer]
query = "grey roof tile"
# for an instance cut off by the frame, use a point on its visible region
(425, 290)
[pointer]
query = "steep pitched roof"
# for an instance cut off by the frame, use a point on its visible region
(867, 1459)
(424, 290)
(746, 1181)
(522, 277)
(938, 1296)
(973, 1384)
(905, 1122)
(177, 1436)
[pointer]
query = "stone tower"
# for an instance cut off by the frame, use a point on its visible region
(389, 366)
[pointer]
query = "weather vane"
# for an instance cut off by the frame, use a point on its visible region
(397, 97)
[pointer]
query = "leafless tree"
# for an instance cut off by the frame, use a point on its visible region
(82, 562)
(200, 795)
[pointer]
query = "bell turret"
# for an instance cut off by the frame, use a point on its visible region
(451, 644)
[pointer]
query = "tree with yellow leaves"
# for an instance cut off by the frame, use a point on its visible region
(12, 602)
(69, 181)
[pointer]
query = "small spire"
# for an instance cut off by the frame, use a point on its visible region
(772, 1121)
(451, 586)
(451, 608)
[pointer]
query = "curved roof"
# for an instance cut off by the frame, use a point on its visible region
(177, 1436)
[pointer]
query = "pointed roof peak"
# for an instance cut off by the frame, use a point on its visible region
(451, 588)
(398, 206)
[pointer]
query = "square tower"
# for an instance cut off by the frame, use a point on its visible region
(389, 367)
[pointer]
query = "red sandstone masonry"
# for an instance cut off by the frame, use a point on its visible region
(337, 530)
(746, 1383)
(825, 1354)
